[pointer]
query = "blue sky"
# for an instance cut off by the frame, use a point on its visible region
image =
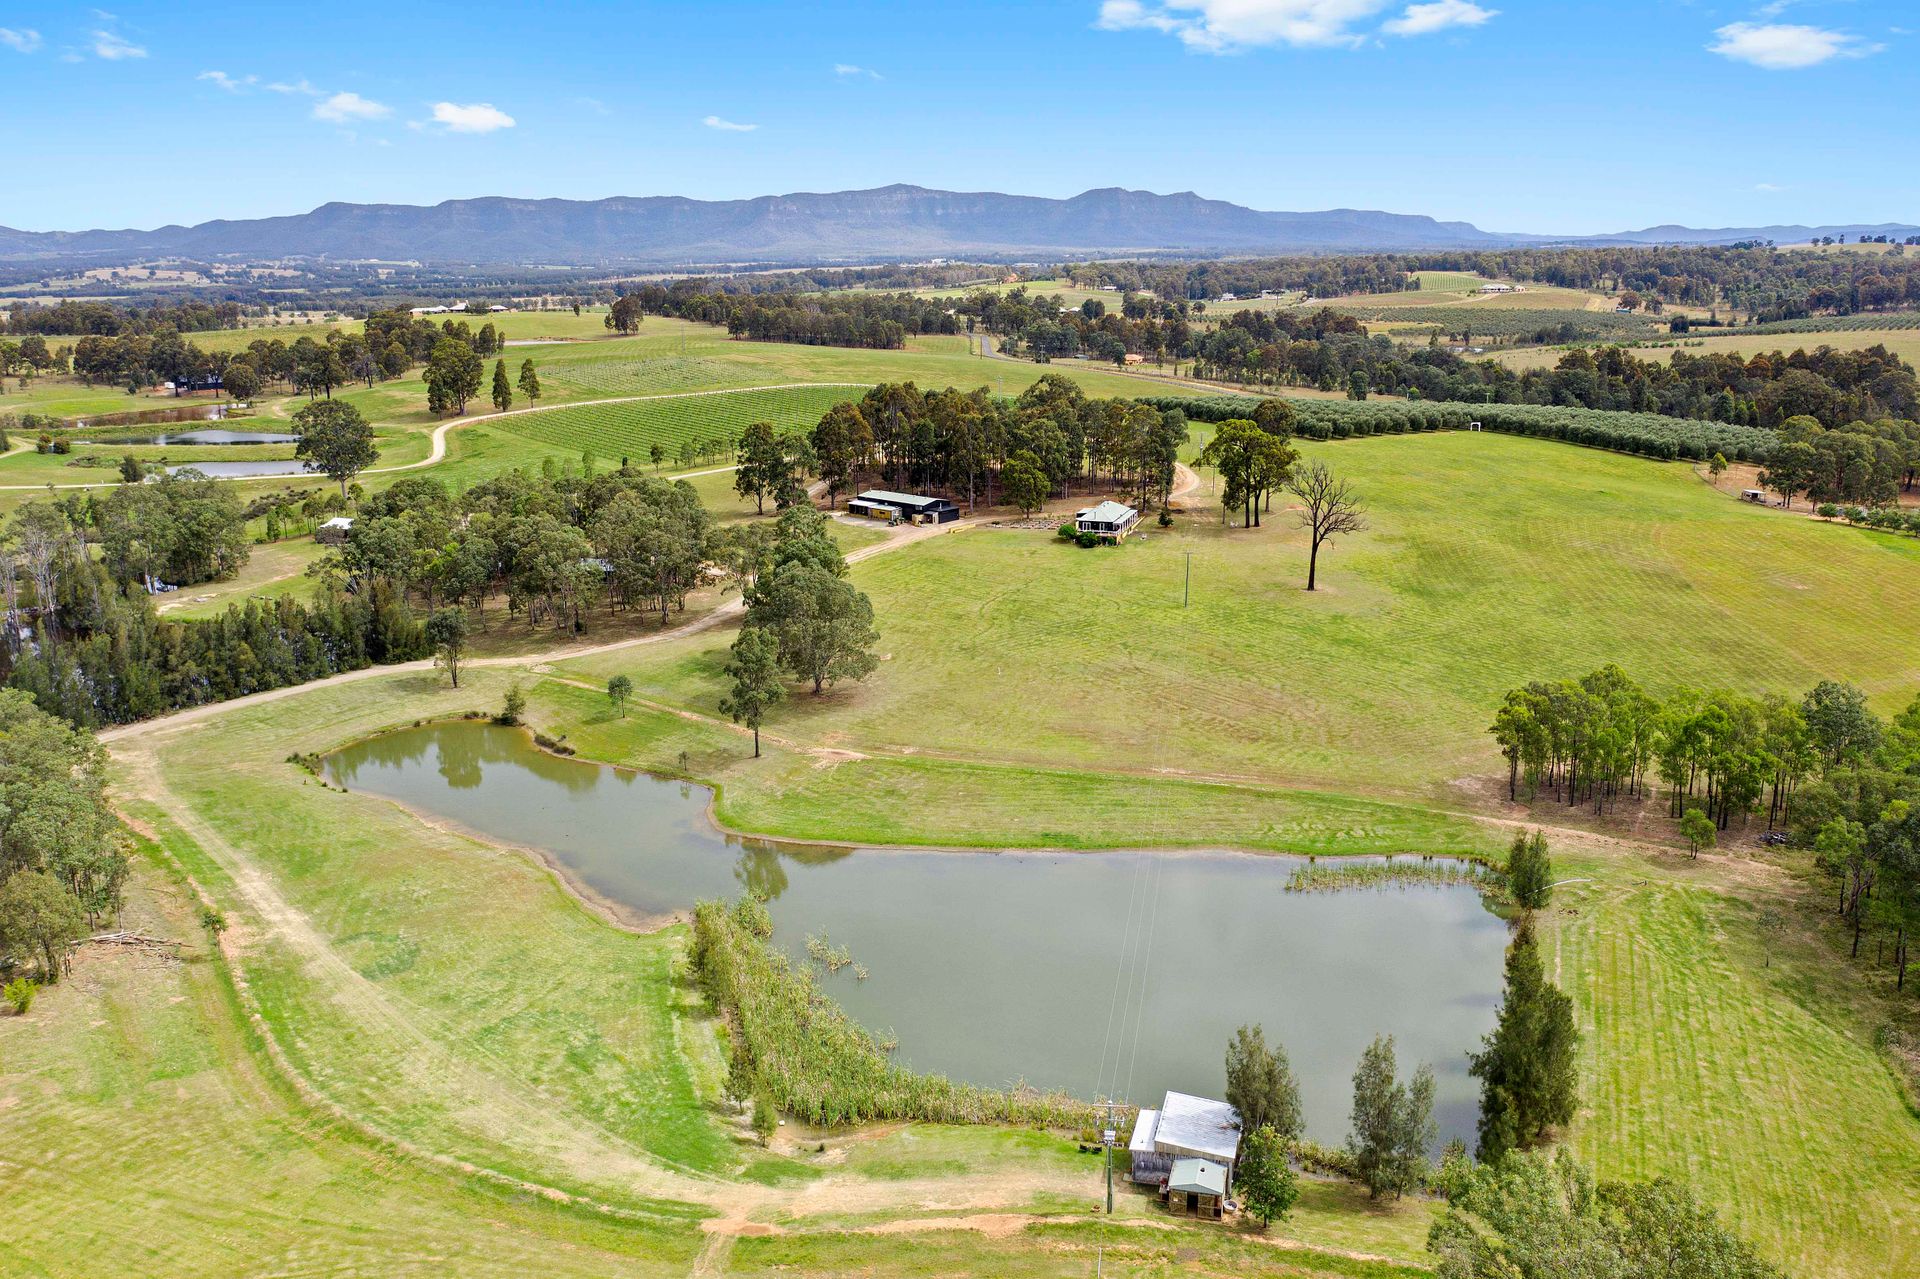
(1512, 114)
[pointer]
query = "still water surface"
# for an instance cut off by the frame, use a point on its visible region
(1092, 972)
(213, 435)
(243, 470)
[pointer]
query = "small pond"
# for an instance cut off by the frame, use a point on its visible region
(993, 967)
(243, 470)
(210, 436)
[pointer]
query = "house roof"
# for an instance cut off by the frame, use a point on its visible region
(1108, 513)
(1198, 1126)
(887, 497)
(1197, 1177)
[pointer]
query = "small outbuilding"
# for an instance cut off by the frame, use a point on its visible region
(1109, 521)
(902, 508)
(1758, 496)
(334, 531)
(1197, 1188)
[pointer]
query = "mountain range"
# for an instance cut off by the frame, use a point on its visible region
(887, 223)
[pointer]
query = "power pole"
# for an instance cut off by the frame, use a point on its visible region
(1108, 1136)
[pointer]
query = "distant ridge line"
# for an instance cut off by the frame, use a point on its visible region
(883, 224)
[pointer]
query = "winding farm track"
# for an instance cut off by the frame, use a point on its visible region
(437, 441)
(273, 921)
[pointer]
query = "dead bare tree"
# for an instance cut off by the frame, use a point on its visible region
(1329, 507)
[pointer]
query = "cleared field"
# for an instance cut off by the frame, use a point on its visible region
(1464, 290)
(1726, 1041)
(1450, 281)
(1904, 343)
(517, 325)
(627, 430)
(1491, 561)
(68, 397)
(272, 571)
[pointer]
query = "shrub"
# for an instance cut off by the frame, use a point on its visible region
(514, 707)
(1068, 531)
(765, 1118)
(1086, 540)
(19, 993)
(1826, 510)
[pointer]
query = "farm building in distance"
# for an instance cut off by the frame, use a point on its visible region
(1186, 1149)
(903, 508)
(1109, 520)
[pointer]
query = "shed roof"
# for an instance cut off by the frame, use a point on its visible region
(1108, 512)
(1197, 1177)
(1142, 1143)
(1198, 1126)
(914, 500)
(339, 521)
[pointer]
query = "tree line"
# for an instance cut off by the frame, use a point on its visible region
(1317, 276)
(1858, 462)
(63, 856)
(71, 318)
(1759, 279)
(1826, 771)
(1828, 385)
(879, 321)
(965, 443)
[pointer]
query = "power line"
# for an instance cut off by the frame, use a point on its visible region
(1134, 896)
(1146, 975)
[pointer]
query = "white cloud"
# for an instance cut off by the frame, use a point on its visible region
(1769, 187)
(301, 87)
(594, 105)
(115, 47)
(1224, 26)
(1424, 19)
(344, 108)
(728, 126)
(1786, 46)
(20, 39)
(477, 117)
(230, 83)
(848, 71)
